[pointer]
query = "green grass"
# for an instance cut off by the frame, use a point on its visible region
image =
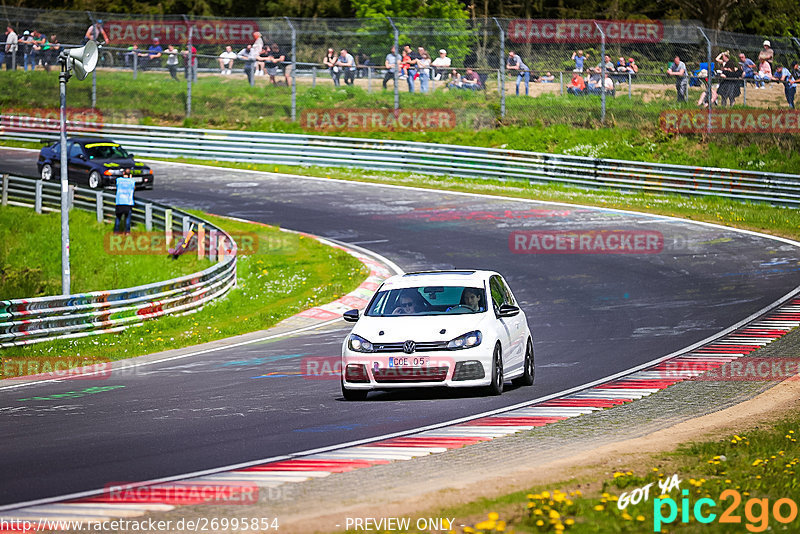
(30, 256)
(760, 465)
(548, 123)
(287, 274)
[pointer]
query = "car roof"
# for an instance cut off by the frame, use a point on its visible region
(474, 278)
(89, 140)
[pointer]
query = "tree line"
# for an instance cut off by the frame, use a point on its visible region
(762, 17)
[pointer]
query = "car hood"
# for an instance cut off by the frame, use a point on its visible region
(417, 328)
(113, 163)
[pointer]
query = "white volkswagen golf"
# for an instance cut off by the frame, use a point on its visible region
(438, 328)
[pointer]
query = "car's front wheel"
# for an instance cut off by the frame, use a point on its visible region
(94, 179)
(47, 172)
(354, 394)
(527, 377)
(496, 387)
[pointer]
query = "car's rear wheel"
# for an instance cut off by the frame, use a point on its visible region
(496, 387)
(47, 172)
(94, 179)
(354, 394)
(527, 377)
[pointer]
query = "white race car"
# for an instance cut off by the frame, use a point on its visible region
(438, 328)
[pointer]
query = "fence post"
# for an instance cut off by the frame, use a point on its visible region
(5, 190)
(708, 78)
(135, 64)
(502, 72)
(294, 68)
(744, 91)
(212, 245)
(313, 76)
(561, 81)
(602, 74)
(201, 241)
(168, 226)
(186, 223)
(94, 72)
(37, 203)
(148, 217)
(396, 64)
(630, 89)
(369, 80)
(99, 206)
(189, 70)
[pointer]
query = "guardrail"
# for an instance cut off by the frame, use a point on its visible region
(26, 321)
(427, 158)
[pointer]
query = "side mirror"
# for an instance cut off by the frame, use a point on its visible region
(351, 316)
(507, 310)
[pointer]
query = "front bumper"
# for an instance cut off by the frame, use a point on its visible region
(456, 369)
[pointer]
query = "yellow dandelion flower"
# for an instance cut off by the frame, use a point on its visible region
(599, 507)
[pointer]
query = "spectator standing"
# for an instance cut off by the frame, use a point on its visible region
(391, 63)
(124, 202)
(764, 74)
(348, 66)
(678, 70)
(441, 65)
(274, 59)
(172, 61)
(747, 66)
(226, 60)
(515, 63)
(40, 47)
(255, 51)
(26, 42)
(423, 68)
(51, 52)
(151, 56)
(330, 62)
(411, 66)
(12, 45)
(580, 60)
(244, 55)
(190, 69)
(94, 32)
(730, 83)
(262, 60)
(766, 53)
(795, 71)
(784, 75)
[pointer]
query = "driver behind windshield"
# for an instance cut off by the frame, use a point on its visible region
(406, 304)
(471, 298)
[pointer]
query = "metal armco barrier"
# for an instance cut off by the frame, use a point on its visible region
(25, 321)
(426, 158)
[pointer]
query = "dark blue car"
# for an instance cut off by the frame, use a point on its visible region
(92, 161)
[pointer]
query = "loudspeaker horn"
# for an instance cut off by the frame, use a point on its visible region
(83, 60)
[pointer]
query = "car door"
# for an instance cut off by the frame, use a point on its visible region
(517, 325)
(78, 163)
(504, 324)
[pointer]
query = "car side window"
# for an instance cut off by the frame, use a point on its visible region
(509, 298)
(75, 150)
(495, 287)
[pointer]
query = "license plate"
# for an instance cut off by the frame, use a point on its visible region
(139, 179)
(409, 361)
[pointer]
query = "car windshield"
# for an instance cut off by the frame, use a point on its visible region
(428, 300)
(106, 151)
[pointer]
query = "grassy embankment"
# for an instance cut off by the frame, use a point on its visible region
(546, 123)
(286, 273)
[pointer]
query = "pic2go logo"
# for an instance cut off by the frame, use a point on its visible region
(756, 511)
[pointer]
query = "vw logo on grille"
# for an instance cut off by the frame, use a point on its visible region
(409, 347)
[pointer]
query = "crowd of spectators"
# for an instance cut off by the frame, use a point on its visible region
(721, 81)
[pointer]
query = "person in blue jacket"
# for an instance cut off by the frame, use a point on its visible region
(124, 201)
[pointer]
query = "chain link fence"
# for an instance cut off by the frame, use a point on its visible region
(335, 74)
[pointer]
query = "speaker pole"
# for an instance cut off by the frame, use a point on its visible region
(62, 85)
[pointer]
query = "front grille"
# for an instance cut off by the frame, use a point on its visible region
(422, 346)
(411, 374)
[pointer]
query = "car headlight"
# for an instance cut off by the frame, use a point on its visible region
(468, 340)
(359, 344)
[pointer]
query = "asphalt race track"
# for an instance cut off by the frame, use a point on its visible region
(591, 314)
